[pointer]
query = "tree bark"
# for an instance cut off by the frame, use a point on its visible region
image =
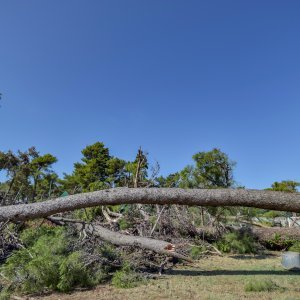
(120, 239)
(192, 197)
(266, 234)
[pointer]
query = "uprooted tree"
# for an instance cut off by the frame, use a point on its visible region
(158, 196)
(153, 221)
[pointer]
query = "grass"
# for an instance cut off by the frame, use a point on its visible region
(224, 278)
(266, 285)
(127, 278)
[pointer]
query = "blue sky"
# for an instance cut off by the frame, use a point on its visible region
(175, 77)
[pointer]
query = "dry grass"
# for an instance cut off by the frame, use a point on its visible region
(210, 278)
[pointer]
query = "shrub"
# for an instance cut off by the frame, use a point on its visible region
(240, 243)
(266, 285)
(127, 278)
(72, 272)
(279, 242)
(49, 263)
(87, 214)
(5, 294)
(295, 247)
(31, 235)
(196, 251)
(36, 267)
(109, 252)
(273, 214)
(124, 224)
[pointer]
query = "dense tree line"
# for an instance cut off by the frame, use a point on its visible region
(30, 176)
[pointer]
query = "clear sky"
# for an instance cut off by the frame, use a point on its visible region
(175, 77)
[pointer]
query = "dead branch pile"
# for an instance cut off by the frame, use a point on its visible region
(156, 227)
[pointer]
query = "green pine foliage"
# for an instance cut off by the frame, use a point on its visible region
(124, 224)
(5, 294)
(29, 176)
(278, 242)
(240, 243)
(127, 278)
(87, 214)
(33, 268)
(47, 262)
(295, 247)
(97, 170)
(196, 252)
(73, 273)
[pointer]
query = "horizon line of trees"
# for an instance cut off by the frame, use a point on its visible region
(30, 176)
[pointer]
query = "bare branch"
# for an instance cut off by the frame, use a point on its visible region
(157, 220)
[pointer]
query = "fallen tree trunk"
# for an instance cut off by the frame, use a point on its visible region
(265, 235)
(193, 197)
(119, 239)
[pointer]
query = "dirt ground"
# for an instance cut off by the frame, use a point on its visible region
(209, 278)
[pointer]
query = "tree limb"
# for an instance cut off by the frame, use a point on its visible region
(119, 239)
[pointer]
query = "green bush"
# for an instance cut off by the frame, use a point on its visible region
(33, 268)
(266, 285)
(31, 235)
(124, 224)
(73, 273)
(127, 278)
(5, 294)
(108, 251)
(240, 243)
(279, 242)
(295, 247)
(87, 214)
(48, 263)
(273, 214)
(196, 251)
